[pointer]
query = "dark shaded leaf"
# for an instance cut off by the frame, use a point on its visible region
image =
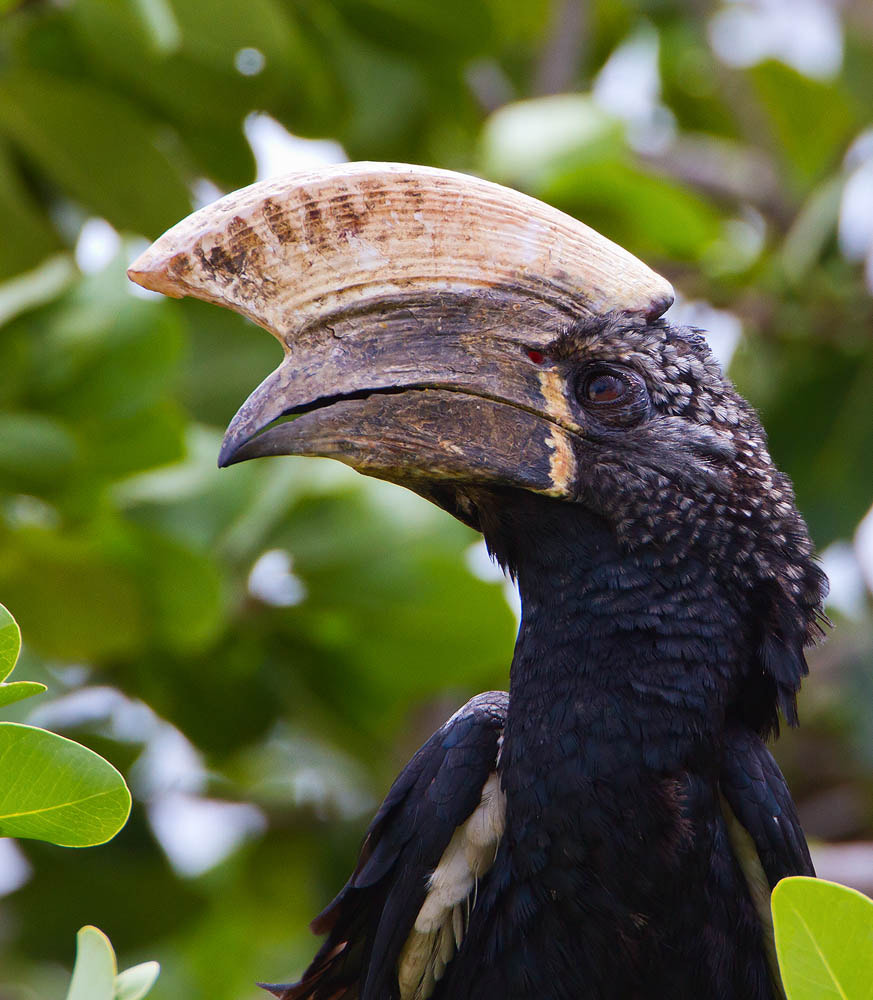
(35, 237)
(36, 452)
(76, 132)
(812, 121)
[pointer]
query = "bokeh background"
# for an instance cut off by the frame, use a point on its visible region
(259, 650)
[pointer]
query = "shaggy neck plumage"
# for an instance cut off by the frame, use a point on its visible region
(613, 647)
(622, 688)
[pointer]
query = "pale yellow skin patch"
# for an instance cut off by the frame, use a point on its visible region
(562, 465)
(562, 461)
(557, 407)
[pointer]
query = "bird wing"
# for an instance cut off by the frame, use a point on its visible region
(757, 795)
(763, 826)
(400, 917)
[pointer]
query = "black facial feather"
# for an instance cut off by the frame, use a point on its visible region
(691, 472)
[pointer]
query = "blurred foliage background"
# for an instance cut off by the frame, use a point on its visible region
(260, 649)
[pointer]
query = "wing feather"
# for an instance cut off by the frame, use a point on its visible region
(757, 794)
(436, 827)
(763, 827)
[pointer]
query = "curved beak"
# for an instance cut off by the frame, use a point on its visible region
(413, 306)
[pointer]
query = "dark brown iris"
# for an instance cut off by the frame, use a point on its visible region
(604, 388)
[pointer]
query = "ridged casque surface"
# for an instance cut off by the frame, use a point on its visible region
(302, 248)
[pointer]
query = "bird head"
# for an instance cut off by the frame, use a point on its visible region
(462, 339)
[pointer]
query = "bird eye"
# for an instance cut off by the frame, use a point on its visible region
(614, 396)
(603, 387)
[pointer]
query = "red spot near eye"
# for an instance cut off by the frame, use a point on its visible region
(536, 357)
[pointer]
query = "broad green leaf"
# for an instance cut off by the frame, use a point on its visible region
(523, 140)
(385, 93)
(181, 588)
(73, 593)
(825, 444)
(108, 355)
(36, 287)
(56, 790)
(215, 30)
(799, 107)
(423, 28)
(18, 690)
(160, 24)
(135, 982)
(34, 236)
(824, 940)
(691, 78)
(195, 83)
(225, 353)
(36, 452)
(76, 132)
(118, 40)
(655, 216)
(813, 226)
(136, 443)
(10, 642)
(94, 971)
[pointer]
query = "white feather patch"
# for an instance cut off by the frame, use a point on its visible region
(442, 920)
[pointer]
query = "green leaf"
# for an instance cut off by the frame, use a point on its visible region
(524, 140)
(10, 642)
(36, 287)
(18, 690)
(56, 790)
(824, 940)
(813, 227)
(799, 107)
(77, 132)
(94, 971)
(34, 235)
(160, 24)
(94, 975)
(658, 218)
(108, 355)
(135, 982)
(10, 645)
(215, 30)
(184, 592)
(96, 609)
(824, 445)
(421, 28)
(36, 452)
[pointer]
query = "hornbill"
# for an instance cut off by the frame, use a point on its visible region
(612, 826)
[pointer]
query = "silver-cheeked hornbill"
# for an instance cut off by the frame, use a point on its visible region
(610, 829)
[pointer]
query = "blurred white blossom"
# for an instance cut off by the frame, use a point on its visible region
(804, 34)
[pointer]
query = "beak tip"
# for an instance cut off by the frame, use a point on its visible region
(238, 446)
(227, 455)
(151, 270)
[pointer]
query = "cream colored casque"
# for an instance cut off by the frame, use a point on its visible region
(364, 271)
